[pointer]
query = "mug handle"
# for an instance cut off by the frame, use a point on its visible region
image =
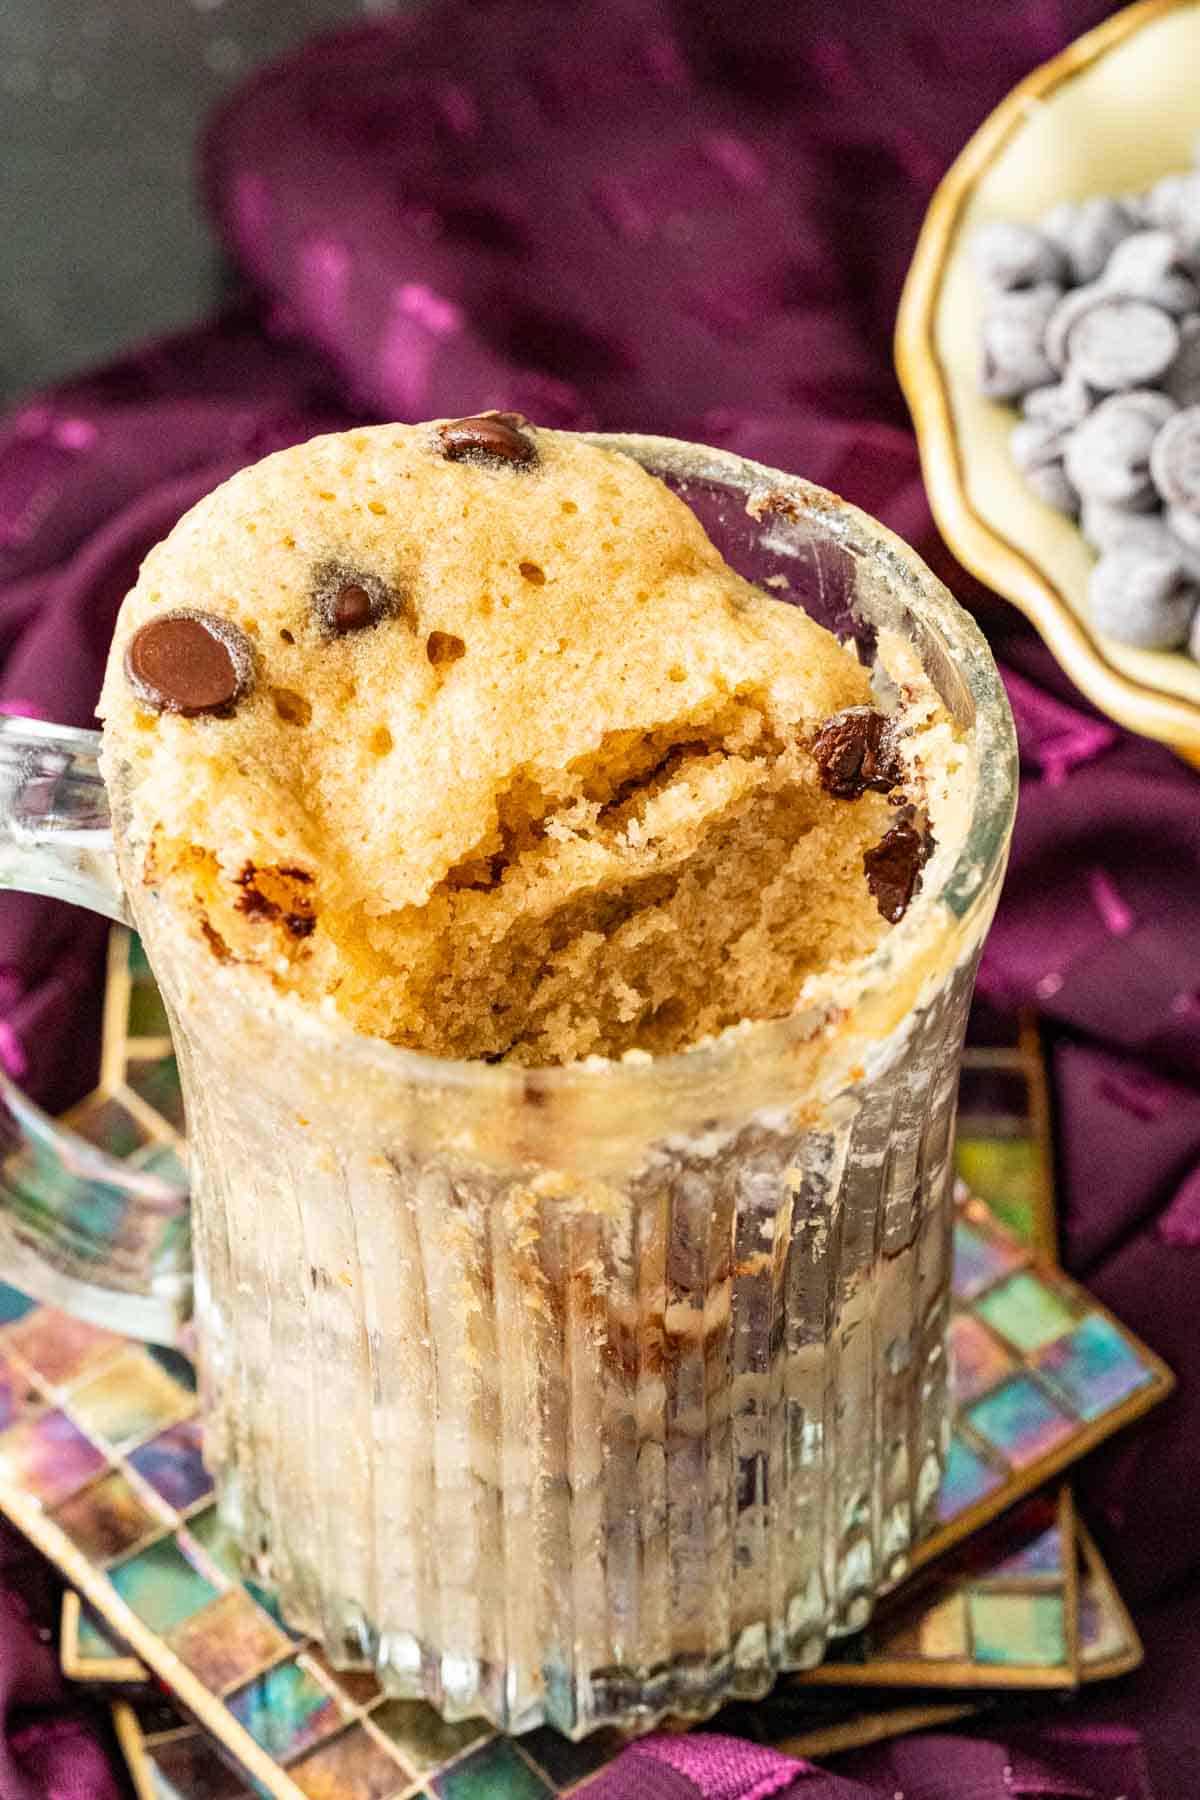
(79, 1228)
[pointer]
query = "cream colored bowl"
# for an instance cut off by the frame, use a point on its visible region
(1113, 113)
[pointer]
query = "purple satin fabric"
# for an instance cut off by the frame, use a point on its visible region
(51, 1747)
(692, 218)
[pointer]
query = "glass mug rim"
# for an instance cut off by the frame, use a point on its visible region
(968, 885)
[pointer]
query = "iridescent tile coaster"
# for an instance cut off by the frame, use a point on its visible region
(1020, 1422)
(47, 1458)
(18, 1395)
(107, 1121)
(1001, 1612)
(1042, 1373)
(108, 1518)
(423, 1740)
(1026, 1311)
(981, 1259)
(287, 1709)
(980, 1360)
(13, 1304)
(1003, 1144)
(173, 1465)
(498, 1768)
(56, 1347)
(172, 1759)
(1092, 1368)
(161, 1587)
(353, 1766)
(155, 1082)
(131, 1398)
(227, 1642)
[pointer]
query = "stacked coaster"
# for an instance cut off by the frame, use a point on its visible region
(101, 1466)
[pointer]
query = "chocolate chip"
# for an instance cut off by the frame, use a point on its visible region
(894, 866)
(490, 438)
(1121, 343)
(1107, 458)
(189, 662)
(1175, 460)
(351, 607)
(1010, 254)
(1088, 232)
(1182, 379)
(1061, 405)
(1062, 322)
(294, 911)
(854, 751)
(1013, 339)
(346, 600)
(256, 906)
(1149, 266)
(1143, 597)
(216, 942)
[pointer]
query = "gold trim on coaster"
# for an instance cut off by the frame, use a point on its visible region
(132, 1745)
(874, 1728)
(1106, 1668)
(994, 559)
(109, 1671)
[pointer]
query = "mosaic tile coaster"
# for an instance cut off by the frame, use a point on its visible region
(1001, 1612)
(173, 1759)
(1003, 1146)
(170, 1759)
(1042, 1374)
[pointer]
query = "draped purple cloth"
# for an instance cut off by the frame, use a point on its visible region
(692, 218)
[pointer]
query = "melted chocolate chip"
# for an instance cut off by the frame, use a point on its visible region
(216, 942)
(491, 438)
(255, 904)
(854, 751)
(894, 866)
(189, 662)
(351, 607)
(346, 600)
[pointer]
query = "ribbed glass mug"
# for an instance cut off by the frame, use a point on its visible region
(592, 1393)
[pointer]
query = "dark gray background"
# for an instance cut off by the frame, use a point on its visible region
(101, 241)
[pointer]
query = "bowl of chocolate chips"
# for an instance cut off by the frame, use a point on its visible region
(1049, 346)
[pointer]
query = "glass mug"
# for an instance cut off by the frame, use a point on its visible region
(581, 1394)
